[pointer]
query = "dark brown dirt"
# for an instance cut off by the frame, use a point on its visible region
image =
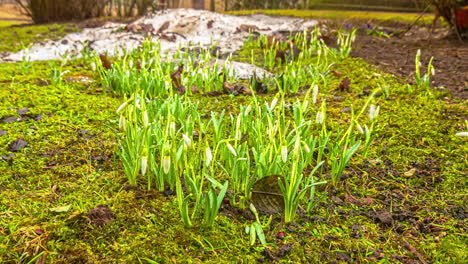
(396, 55)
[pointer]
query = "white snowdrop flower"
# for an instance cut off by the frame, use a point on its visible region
(359, 127)
(273, 103)
(122, 123)
(284, 153)
(297, 145)
(166, 164)
(144, 165)
(247, 110)
(231, 148)
(209, 156)
(462, 134)
(253, 209)
(315, 94)
(320, 117)
(145, 118)
(172, 128)
(122, 107)
(305, 105)
(306, 148)
(374, 111)
(187, 140)
(93, 66)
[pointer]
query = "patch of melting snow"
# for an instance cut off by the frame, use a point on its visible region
(174, 29)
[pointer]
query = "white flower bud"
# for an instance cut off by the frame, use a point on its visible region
(145, 118)
(315, 94)
(373, 111)
(166, 164)
(273, 103)
(231, 148)
(187, 140)
(320, 117)
(144, 165)
(284, 153)
(247, 110)
(209, 156)
(359, 127)
(306, 148)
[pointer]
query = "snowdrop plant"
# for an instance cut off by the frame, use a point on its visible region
(345, 41)
(425, 80)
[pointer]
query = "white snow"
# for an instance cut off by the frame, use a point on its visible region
(189, 26)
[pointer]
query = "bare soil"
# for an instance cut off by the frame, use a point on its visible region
(396, 55)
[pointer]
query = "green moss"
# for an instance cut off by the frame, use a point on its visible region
(16, 37)
(71, 160)
(341, 15)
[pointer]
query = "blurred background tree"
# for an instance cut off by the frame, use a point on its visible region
(454, 13)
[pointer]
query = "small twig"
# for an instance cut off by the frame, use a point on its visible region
(414, 252)
(412, 24)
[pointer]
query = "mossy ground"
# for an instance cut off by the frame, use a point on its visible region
(415, 171)
(16, 36)
(343, 15)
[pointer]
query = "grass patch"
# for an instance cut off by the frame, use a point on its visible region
(11, 23)
(342, 15)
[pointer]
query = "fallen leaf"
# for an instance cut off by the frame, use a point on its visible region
(105, 62)
(356, 201)
(210, 24)
(383, 216)
(8, 157)
(284, 250)
(163, 27)
(336, 73)
(343, 256)
(267, 196)
(409, 173)
(281, 55)
(346, 109)
(246, 91)
(17, 145)
(170, 38)
(2, 132)
(9, 119)
(414, 251)
(344, 85)
(246, 28)
(22, 111)
(194, 89)
(60, 209)
(54, 188)
(74, 214)
(181, 90)
(337, 199)
(269, 255)
(176, 78)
